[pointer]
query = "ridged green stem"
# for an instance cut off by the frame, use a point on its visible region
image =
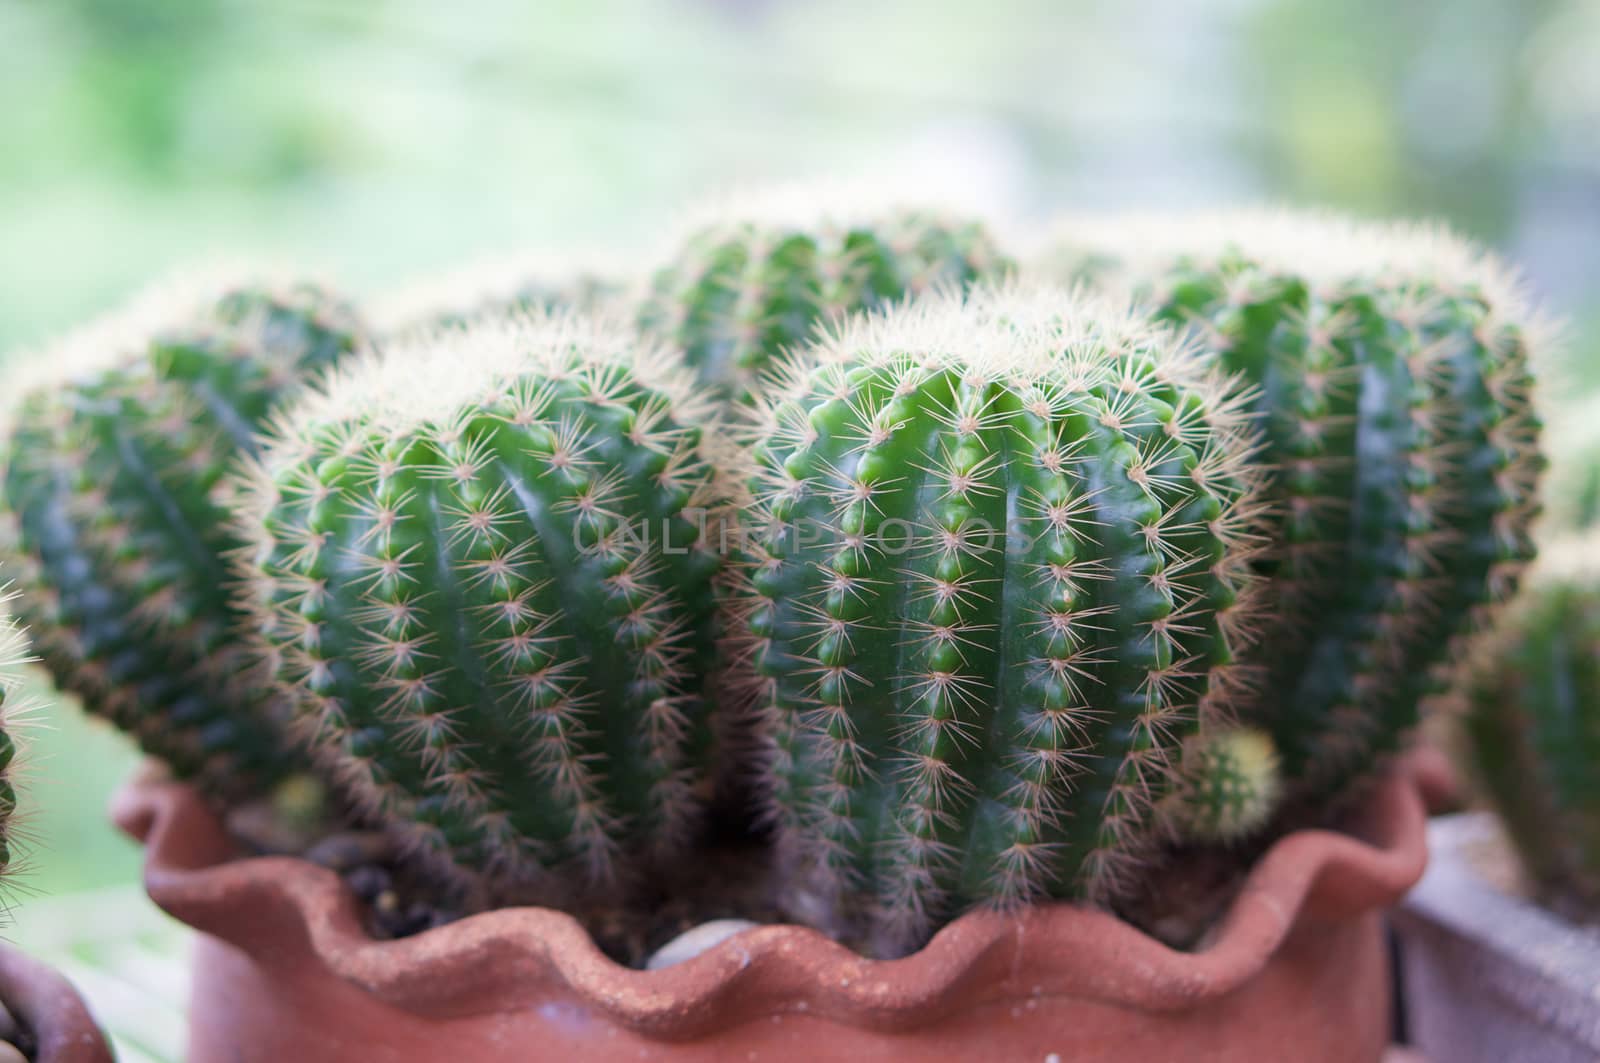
(988, 598)
(120, 535)
(495, 615)
(1398, 423)
(1391, 369)
(1532, 696)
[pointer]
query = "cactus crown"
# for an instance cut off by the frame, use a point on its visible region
(1323, 249)
(1392, 365)
(479, 562)
(754, 279)
(997, 573)
(115, 453)
(1531, 694)
(500, 286)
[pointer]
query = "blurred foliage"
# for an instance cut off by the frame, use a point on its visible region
(379, 139)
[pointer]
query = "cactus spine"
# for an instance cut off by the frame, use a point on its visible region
(111, 486)
(758, 280)
(481, 566)
(994, 582)
(1532, 699)
(1391, 367)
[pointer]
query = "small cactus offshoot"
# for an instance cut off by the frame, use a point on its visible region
(998, 574)
(1229, 787)
(757, 279)
(1391, 366)
(1531, 700)
(113, 458)
(480, 563)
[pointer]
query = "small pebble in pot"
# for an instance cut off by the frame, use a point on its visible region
(696, 940)
(387, 904)
(368, 882)
(10, 1053)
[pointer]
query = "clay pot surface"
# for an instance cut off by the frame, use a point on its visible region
(49, 1008)
(1297, 969)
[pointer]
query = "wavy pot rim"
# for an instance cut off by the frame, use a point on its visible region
(51, 1008)
(279, 910)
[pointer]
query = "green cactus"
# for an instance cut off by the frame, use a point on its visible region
(761, 278)
(1229, 786)
(1392, 382)
(116, 524)
(994, 581)
(483, 568)
(1531, 695)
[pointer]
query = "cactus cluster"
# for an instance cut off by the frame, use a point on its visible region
(115, 457)
(481, 567)
(760, 278)
(1392, 384)
(1531, 700)
(948, 590)
(1003, 544)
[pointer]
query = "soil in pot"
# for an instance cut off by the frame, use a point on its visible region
(730, 881)
(17, 1044)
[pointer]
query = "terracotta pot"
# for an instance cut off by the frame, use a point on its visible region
(47, 1006)
(1297, 970)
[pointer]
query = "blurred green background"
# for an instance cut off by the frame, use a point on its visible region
(379, 139)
